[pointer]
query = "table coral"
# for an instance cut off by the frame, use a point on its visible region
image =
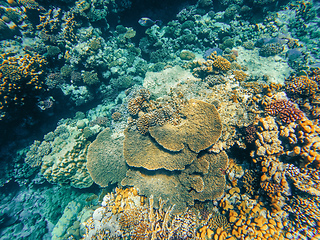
(199, 130)
(143, 151)
(213, 177)
(105, 161)
(160, 185)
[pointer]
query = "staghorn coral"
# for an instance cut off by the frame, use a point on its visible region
(105, 161)
(285, 109)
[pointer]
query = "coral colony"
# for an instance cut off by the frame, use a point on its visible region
(200, 121)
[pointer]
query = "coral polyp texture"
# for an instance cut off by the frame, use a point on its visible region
(285, 110)
(199, 129)
(20, 78)
(105, 161)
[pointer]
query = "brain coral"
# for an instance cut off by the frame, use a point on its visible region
(105, 161)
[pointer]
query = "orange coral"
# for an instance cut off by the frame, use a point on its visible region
(301, 86)
(19, 77)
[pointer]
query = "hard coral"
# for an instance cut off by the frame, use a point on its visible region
(20, 77)
(301, 86)
(105, 161)
(143, 151)
(136, 104)
(304, 138)
(200, 128)
(285, 110)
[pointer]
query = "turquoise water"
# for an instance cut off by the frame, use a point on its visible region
(159, 120)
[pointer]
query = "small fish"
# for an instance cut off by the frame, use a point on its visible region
(147, 22)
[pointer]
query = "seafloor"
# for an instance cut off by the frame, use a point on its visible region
(198, 121)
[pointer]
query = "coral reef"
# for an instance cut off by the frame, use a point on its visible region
(105, 161)
(150, 223)
(285, 110)
(199, 130)
(63, 155)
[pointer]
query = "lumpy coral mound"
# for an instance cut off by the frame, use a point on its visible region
(172, 147)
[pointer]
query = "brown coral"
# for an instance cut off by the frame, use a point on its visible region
(302, 86)
(136, 104)
(211, 183)
(285, 110)
(199, 130)
(220, 63)
(143, 151)
(105, 161)
(162, 186)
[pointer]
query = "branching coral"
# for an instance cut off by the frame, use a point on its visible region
(149, 223)
(285, 109)
(214, 63)
(301, 86)
(20, 77)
